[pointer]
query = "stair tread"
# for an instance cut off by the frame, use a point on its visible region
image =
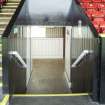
(10, 6)
(7, 13)
(1, 32)
(0, 70)
(0, 79)
(2, 29)
(14, 1)
(0, 73)
(4, 23)
(5, 18)
(2, 16)
(8, 10)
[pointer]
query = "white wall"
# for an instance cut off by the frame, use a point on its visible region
(47, 48)
(38, 31)
(67, 55)
(26, 36)
(43, 45)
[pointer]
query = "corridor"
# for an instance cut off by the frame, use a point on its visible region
(47, 77)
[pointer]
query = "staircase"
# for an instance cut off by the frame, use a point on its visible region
(6, 13)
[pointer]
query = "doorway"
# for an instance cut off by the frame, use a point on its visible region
(57, 59)
(48, 60)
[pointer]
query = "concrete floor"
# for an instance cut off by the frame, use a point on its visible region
(77, 100)
(48, 77)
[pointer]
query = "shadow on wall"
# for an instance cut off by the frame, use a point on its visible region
(45, 12)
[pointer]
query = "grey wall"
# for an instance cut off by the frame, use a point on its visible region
(82, 39)
(23, 17)
(39, 11)
(39, 7)
(51, 11)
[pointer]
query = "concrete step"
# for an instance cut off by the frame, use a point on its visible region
(14, 1)
(2, 27)
(2, 30)
(10, 7)
(0, 64)
(1, 33)
(3, 23)
(0, 71)
(1, 60)
(8, 10)
(1, 92)
(12, 4)
(0, 47)
(0, 55)
(6, 14)
(0, 43)
(5, 18)
(0, 79)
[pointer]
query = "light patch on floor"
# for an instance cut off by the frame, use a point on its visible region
(48, 77)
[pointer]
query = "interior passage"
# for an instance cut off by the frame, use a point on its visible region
(48, 77)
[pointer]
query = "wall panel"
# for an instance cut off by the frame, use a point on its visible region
(47, 48)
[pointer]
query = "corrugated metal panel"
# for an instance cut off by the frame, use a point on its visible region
(47, 48)
(56, 32)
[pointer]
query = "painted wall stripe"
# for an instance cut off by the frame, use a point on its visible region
(5, 100)
(50, 95)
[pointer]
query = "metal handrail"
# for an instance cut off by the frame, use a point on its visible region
(16, 54)
(82, 55)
